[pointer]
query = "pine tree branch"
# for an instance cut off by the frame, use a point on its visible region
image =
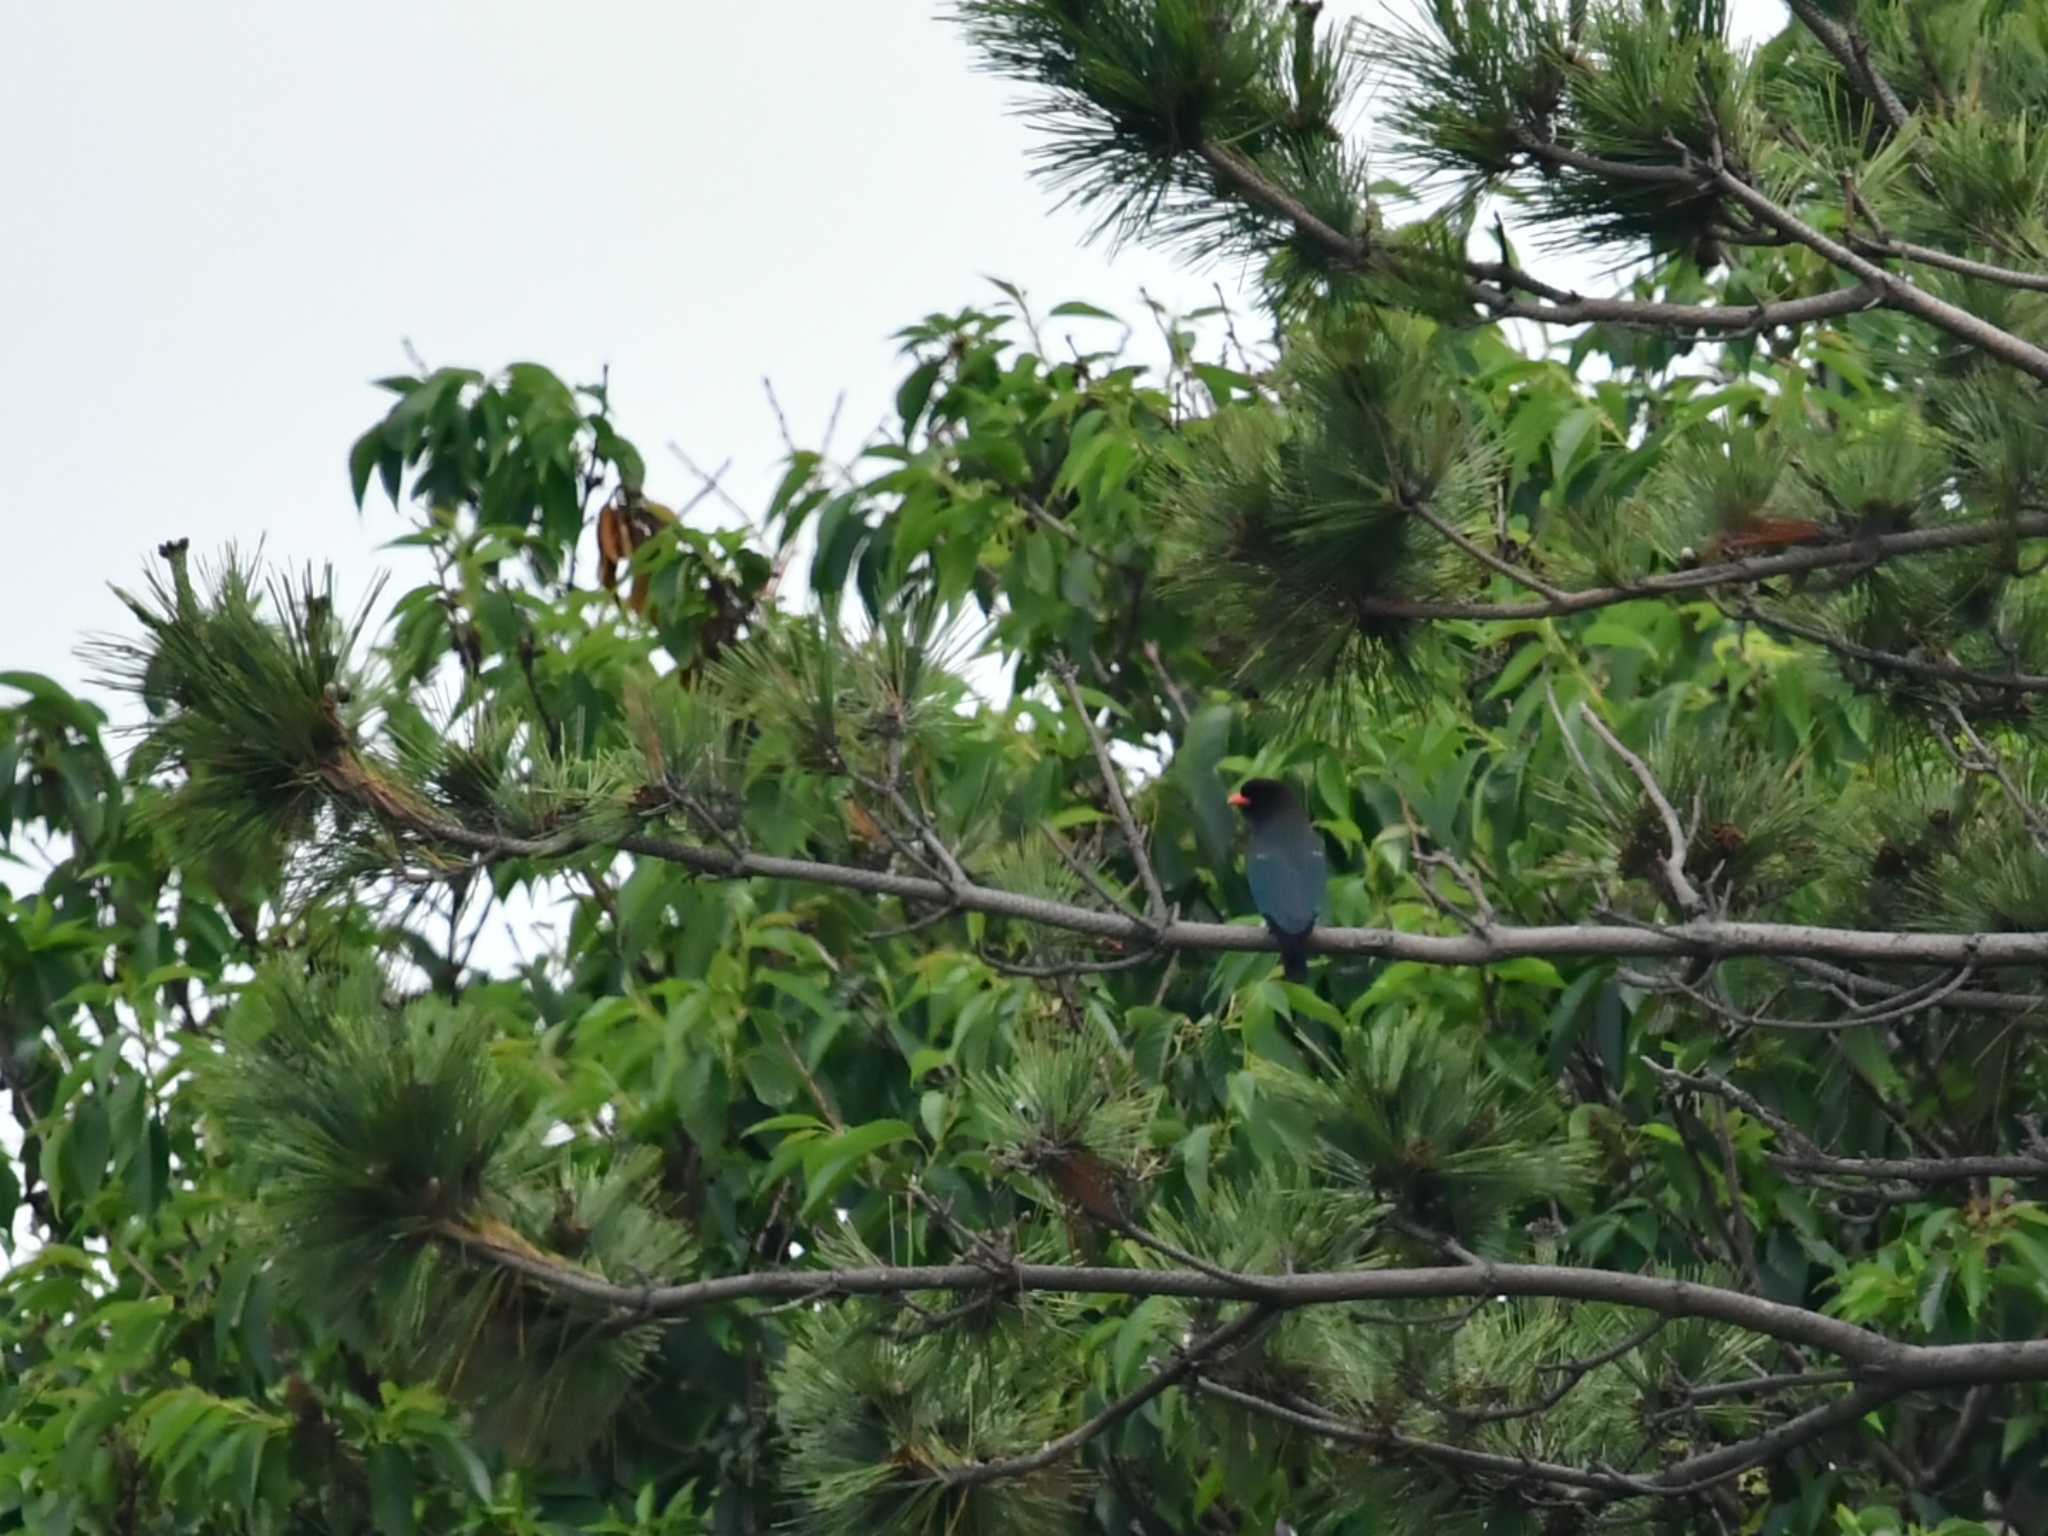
(1891, 290)
(1415, 507)
(1521, 1469)
(1702, 939)
(1244, 180)
(1865, 552)
(1928, 256)
(1728, 320)
(1806, 1156)
(1891, 661)
(1693, 1475)
(1241, 179)
(1884, 1363)
(1184, 1364)
(1898, 293)
(1853, 53)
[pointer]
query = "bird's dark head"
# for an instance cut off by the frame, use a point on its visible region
(1262, 799)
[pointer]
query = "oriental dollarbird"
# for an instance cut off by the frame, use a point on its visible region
(1287, 868)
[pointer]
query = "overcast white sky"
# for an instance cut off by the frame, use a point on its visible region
(224, 219)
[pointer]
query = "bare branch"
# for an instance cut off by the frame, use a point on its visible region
(1156, 913)
(1873, 1357)
(1929, 256)
(1711, 1466)
(1760, 1386)
(1698, 939)
(1898, 1003)
(1988, 1002)
(1853, 53)
(1984, 758)
(1682, 891)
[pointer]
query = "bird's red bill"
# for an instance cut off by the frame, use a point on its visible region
(1239, 800)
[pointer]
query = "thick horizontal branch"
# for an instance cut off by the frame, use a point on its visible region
(1915, 1170)
(1872, 1357)
(1701, 939)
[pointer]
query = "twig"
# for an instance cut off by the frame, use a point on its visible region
(1987, 760)
(1493, 562)
(1086, 873)
(1853, 54)
(1738, 1214)
(710, 484)
(1184, 1364)
(1976, 1404)
(1805, 1156)
(1180, 703)
(1928, 256)
(1573, 1372)
(1059, 968)
(930, 919)
(1891, 661)
(1687, 899)
(1485, 1463)
(1156, 912)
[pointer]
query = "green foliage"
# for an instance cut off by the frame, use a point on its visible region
(1288, 531)
(341, 1220)
(875, 1424)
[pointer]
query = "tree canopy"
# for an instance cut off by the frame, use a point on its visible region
(890, 1115)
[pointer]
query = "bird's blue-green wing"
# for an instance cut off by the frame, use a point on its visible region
(1288, 875)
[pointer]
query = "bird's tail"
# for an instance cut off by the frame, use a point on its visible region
(1293, 963)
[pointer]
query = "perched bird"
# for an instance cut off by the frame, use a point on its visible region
(1287, 868)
